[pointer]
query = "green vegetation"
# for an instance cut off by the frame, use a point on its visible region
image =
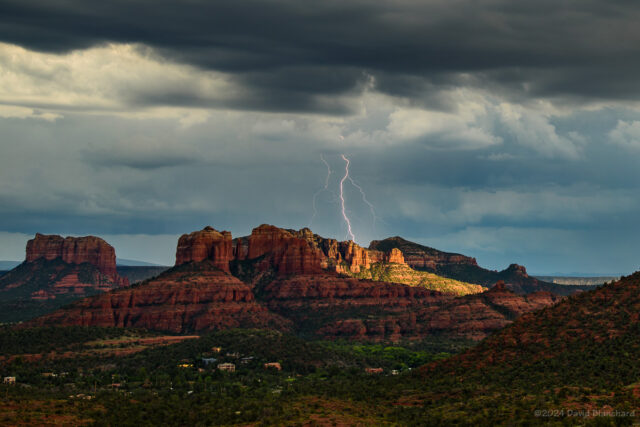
(399, 273)
(174, 385)
(321, 382)
(45, 339)
(579, 355)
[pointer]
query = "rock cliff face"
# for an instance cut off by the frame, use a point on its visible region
(74, 250)
(207, 244)
(466, 269)
(298, 281)
(57, 271)
(473, 316)
(421, 257)
(286, 252)
(192, 297)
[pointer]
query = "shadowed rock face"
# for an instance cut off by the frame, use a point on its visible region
(472, 316)
(74, 250)
(192, 297)
(421, 257)
(199, 296)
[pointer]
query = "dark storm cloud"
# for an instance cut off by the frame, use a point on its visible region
(288, 54)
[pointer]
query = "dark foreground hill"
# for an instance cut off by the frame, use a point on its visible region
(608, 317)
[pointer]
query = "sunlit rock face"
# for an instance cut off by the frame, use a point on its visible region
(207, 244)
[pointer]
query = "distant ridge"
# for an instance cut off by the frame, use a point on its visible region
(578, 280)
(134, 263)
(466, 269)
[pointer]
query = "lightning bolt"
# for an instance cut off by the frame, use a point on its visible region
(344, 213)
(364, 199)
(325, 188)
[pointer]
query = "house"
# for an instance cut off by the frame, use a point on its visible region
(275, 365)
(9, 380)
(49, 374)
(209, 360)
(185, 365)
(395, 372)
(216, 349)
(234, 355)
(374, 370)
(246, 360)
(229, 367)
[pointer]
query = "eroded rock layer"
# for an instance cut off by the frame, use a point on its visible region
(194, 297)
(207, 244)
(57, 271)
(74, 250)
(472, 316)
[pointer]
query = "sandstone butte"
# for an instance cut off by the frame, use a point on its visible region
(287, 252)
(57, 266)
(292, 281)
(74, 250)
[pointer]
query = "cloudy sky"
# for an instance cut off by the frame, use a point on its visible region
(506, 130)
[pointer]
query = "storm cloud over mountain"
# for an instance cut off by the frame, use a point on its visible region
(507, 130)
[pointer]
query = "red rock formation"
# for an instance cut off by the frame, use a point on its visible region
(186, 298)
(74, 250)
(472, 316)
(57, 271)
(394, 256)
(421, 257)
(284, 251)
(330, 289)
(199, 294)
(206, 244)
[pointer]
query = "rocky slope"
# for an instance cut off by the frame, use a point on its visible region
(602, 318)
(198, 296)
(472, 316)
(466, 269)
(189, 297)
(57, 271)
(294, 280)
(402, 273)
